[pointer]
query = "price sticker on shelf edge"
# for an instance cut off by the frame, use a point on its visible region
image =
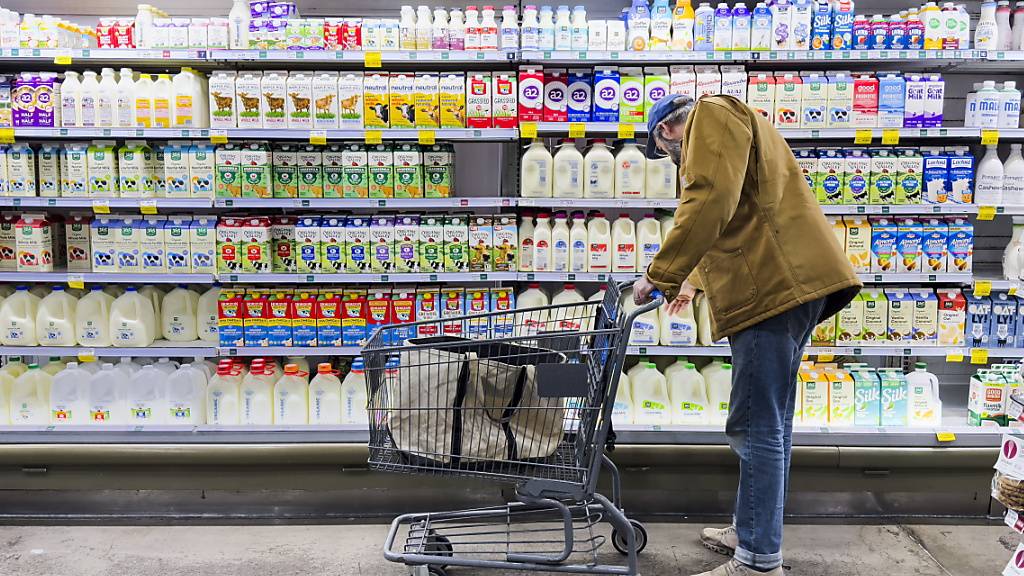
(986, 212)
(372, 59)
(427, 137)
(577, 130)
(528, 130)
(318, 137)
(826, 357)
(955, 355)
(1013, 289)
(982, 288)
(890, 137)
(63, 59)
(374, 137)
(863, 136)
(979, 356)
(6, 135)
(945, 437)
(88, 355)
(990, 137)
(147, 206)
(76, 281)
(627, 131)
(218, 136)
(100, 207)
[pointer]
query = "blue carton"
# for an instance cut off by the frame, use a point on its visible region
(821, 27)
(606, 94)
(892, 91)
(580, 96)
(979, 320)
(961, 176)
(1004, 320)
(867, 394)
(936, 176)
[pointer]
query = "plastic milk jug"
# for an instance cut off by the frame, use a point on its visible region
(703, 314)
(353, 395)
(682, 26)
(537, 171)
(127, 367)
(132, 320)
(167, 365)
(69, 396)
(55, 319)
(719, 383)
(206, 315)
(179, 314)
(648, 239)
(256, 396)
(14, 367)
(630, 171)
(526, 242)
(156, 297)
(291, 397)
(325, 396)
(186, 396)
(222, 405)
(534, 321)
(689, 395)
(18, 318)
(92, 318)
(560, 244)
(661, 177)
(578, 244)
(650, 395)
(624, 258)
(542, 243)
(54, 366)
(30, 397)
(599, 171)
(622, 409)
(108, 397)
(147, 397)
(678, 329)
(641, 363)
(599, 237)
(646, 329)
(570, 318)
(568, 171)
(925, 406)
(6, 382)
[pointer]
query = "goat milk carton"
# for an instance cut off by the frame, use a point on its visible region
(350, 101)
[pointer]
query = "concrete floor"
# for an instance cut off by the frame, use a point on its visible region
(356, 550)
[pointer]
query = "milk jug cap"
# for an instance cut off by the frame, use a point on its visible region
(920, 366)
(324, 368)
(291, 369)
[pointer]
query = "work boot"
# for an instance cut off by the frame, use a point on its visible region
(734, 568)
(721, 540)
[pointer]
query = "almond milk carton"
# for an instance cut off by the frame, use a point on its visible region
(274, 91)
(402, 89)
(376, 101)
(222, 100)
(350, 101)
(451, 94)
(426, 100)
(249, 101)
(325, 100)
(299, 105)
(478, 100)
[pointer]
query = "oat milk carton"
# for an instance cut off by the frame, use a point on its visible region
(504, 100)
(451, 97)
(48, 163)
(309, 160)
(382, 244)
(402, 103)
(325, 100)
(274, 91)
(381, 170)
(285, 160)
(376, 100)
(350, 101)
(299, 105)
(334, 171)
(408, 162)
(426, 100)
(407, 231)
(979, 320)
(249, 99)
(222, 100)
(478, 100)
(355, 175)
(952, 317)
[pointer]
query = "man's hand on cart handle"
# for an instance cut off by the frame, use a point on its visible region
(644, 291)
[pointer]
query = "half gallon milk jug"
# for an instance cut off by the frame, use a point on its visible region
(206, 315)
(69, 396)
(719, 384)
(570, 318)
(668, 222)
(542, 243)
(599, 171)
(291, 397)
(353, 396)
(257, 396)
(186, 396)
(622, 409)
(178, 314)
(55, 319)
(924, 403)
(678, 329)
(624, 257)
(132, 320)
(660, 178)
(108, 397)
(534, 321)
(299, 361)
(222, 396)
(646, 330)
(648, 238)
(650, 395)
(147, 397)
(689, 395)
(560, 243)
(578, 243)
(92, 318)
(18, 318)
(30, 397)
(325, 396)
(54, 365)
(568, 171)
(630, 171)
(599, 239)
(537, 172)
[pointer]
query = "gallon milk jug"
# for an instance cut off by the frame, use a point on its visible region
(186, 396)
(30, 397)
(568, 171)
(178, 313)
(299, 361)
(18, 318)
(222, 396)
(127, 367)
(660, 178)
(719, 383)
(678, 329)
(132, 320)
(624, 244)
(291, 397)
(55, 319)
(668, 222)
(630, 171)
(641, 364)
(924, 403)
(108, 397)
(147, 397)
(69, 396)
(156, 296)
(622, 409)
(14, 367)
(353, 396)
(54, 365)
(6, 382)
(650, 395)
(167, 365)
(648, 238)
(92, 318)
(1013, 256)
(325, 396)
(703, 314)
(40, 290)
(689, 395)
(570, 318)
(206, 315)
(578, 244)
(599, 238)
(257, 396)
(646, 329)
(205, 366)
(560, 243)
(534, 321)
(542, 243)
(599, 171)
(536, 175)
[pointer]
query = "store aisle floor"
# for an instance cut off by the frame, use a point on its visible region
(355, 550)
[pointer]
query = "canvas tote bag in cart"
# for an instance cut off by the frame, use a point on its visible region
(455, 401)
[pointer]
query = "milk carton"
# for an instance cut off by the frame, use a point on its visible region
(202, 242)
(858, 243)
(403, 312)
(909, 176)
(299, 104)
(926, 317)
(48, 162)
(934, 241)
(867, 392)
(101, 162)
(481, 243)
(282, 243)
(876, 317)
(556, 86)
(402, 89)
(381, 171)
(228, 160)
(407, 231)
(21, 172)
(580, 97)
(103, 240)
(914, 102)
(304, 316)
(631, 91)
(230, 318)
(865, 101)
(222, 99)
(894, 397)
(176, 174)
(814, 101)
(333, 157)
(152, 245)
(76, 242)
(325, 100)
(357, 244)
(961, 176)
(309, 162)
(504, 100)
(334, 248)
(376, 100)
(856, 176)
(788, 95)
(734, 82)
(127, 238)
(255, 172)
(453, 305)
(807, 159)
(761, 94)
(428, 302)
(408, 162)
(426, 100)
(901, 316)
(308, 245)
(883, 245)
(505, 243)
(438, 170)
(451, 94)
(910, 246)
(274, 90)
(133, 162)
(986, 399)
(840, 101)
(351, 109)
(456, 243)
(1004, 323)
(382, 244)
(607, 94)
(176, 245)
(255, 243)
(656, 84)
(979, 320)
(478, 302)
(431, 244)
(332, 321)
(355, 174)
(934, 97)
(531, 94)
(709, 80)
(882, 189)
(891, 98)
(683, 81)
(285, 169)
(841, 398)
(814, 392)
(936, 177)
(478, 99)
(960, 245)
(279, 323)
(952, 317)
(201, 169)
(502, 300)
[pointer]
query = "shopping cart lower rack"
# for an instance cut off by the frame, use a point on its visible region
(515, 396)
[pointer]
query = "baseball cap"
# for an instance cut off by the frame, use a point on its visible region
(661, 109)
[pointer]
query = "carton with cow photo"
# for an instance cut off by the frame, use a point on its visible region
(249, 99)
(201, 167)
(375, 100)
(451, 96)
(401, 89)
(222, 99)
(350, 100)
(325, 100)
(274, 89)
(426, 100)
(299, 104)
(176, 174)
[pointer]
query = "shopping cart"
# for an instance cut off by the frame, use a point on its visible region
(517, 396)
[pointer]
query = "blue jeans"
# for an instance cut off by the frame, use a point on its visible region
(766, 358)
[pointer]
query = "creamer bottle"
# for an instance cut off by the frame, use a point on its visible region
(163, 95)
(537, 171)
(186, 396)
(534, 321)
(529, 37)
(30, 398)
(1013, 176)
(456, 30)
(18, 318)
(222, 396)
(723, 27)
(688, 393)
(526, 242)
(650, 397)
(678, 329)
(291, 397)
(630, 171)
(206, 315)
(407, 28)
(719, 384)
(325, 396)
(568, 171)
(622, 410)
(489, 36)
(560, 243)
(132, 320)
(546, 29)
(256, 396)
(660, 178)
(353, 396)
(144, 101)
(108, 397)
(178, 314)
(578, 244)
(599, 238)
(124, 108)
(106, 104)
(70, 100)
(988, 189)
(648, 238)
(624, 258)
(682, 26)
(661, 25)
(89, 94)
(639, 26)
(924, 403)
(646, 330)
(147, 397)
(55, 319)
(1013, 256)
(69, 396)
(599, 171)
(542, 243)
(570, 318)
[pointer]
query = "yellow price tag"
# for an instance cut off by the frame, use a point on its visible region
(374, 136)
(87, 356)
(6, 135)
(318, 137)
(955, 356)
(100, 207)
(372, 59)
(1013, 289)
(218, 136)
(577, 130)
(528, 130)
(979, 356)
(76, 281)
(990, 137)
(890, 136)
(863, 136)
(62, 60)
(147, 206)
(982, 288)
(627, 131)
(986, 212)
(945, 437)
(427, 137)
(826, 357)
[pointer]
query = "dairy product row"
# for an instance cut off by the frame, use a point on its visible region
(601, 173)
(356, 100)
(993, 321)
(988, 399)
(921, 317)
(677, 395)
(998, 183)
(126, 99)
(589, 243)
(906, 245)
(106, 316)
(993, 105)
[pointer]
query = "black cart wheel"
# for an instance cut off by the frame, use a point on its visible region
(438, 545)
(437, 571)
(639, 535)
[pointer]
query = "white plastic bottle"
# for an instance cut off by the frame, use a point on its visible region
(291, 397)
(206, 315)
(472, 28)
(563, 29)
(650, 396)
(186, 396)
(534, 321)
(963, 19)
(570, 318)
(682, 26)
(1013, 256)
(546, 29)
(661, 26)
(1017, 32)
(14, 367)
(69, 396)
(55, 318)
(542, 243)
(407, 28)
(660, 178)
(1009, 105)
(509, 28)
(127, 367)
(70, 100)
(925, 407)
(986, 33)
(1013, 177)
(537, 172)
(678, 329)
(256, 396)
(580, 28)
(530, 37)
(124, 105)
(988, 188)
(108, 397)
(325, 396)
(54, 365)
(30, 398)
(92, 318)
(439, 35)
(18, 318)
(353, 396)
(688, 393)
(222, 402)
(761, 27)
(741, 27)
(723, 27)
(648, 239)
(457, 30)
(988, 105)
(719, 383)
(144, 101)
(424, 28)
(567, 170)
(489, 31)
(187, 96)
(578, 244)
(623, 413)
(526, 242)
(560, 243)
(89, 93)
(646, 329)
(599, 171)
(599, 238)
(624, 243)
(238, 25)
(106, 103)
(1004, 38)
(167, 365)
(147, 397)
(178, 314)
(132, 320)
(630, 171)
(163, 95)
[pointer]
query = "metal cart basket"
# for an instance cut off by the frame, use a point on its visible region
(515, 396)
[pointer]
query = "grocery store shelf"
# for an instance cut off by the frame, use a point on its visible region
(365, 203)
(866, 350)
(360, 57)
(51, 202)
(606, 128)
(104, 277)
(160, 348)
(910, 209)
(290, 351)
(141, 56)
(369, 278)
(924, 59)
(481, 134)
(576, 277)
(900, 278)
(944, 278)
(588, 203)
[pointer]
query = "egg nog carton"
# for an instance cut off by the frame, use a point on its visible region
(683, 81)
(222, 99)
(350, 101)
(401, 98)
(408, 161)
(274, 92)
(285, 170)
(355, 174)
(176, 244)
(426, 100)
(334, 171)
(249, 100)
(201, 169)
(631, 95)
(134, 160)
(176, 174)
(481, 243)
(299, 104)
(376, 100)
(153, 244)
(709, 80)
(382, 244)
(333, 251)
(101, 162)
(479, 111)
(21, 170)
(48, 164)
(407, 231)
(325, 100)
(505, 97)
(451, 97)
